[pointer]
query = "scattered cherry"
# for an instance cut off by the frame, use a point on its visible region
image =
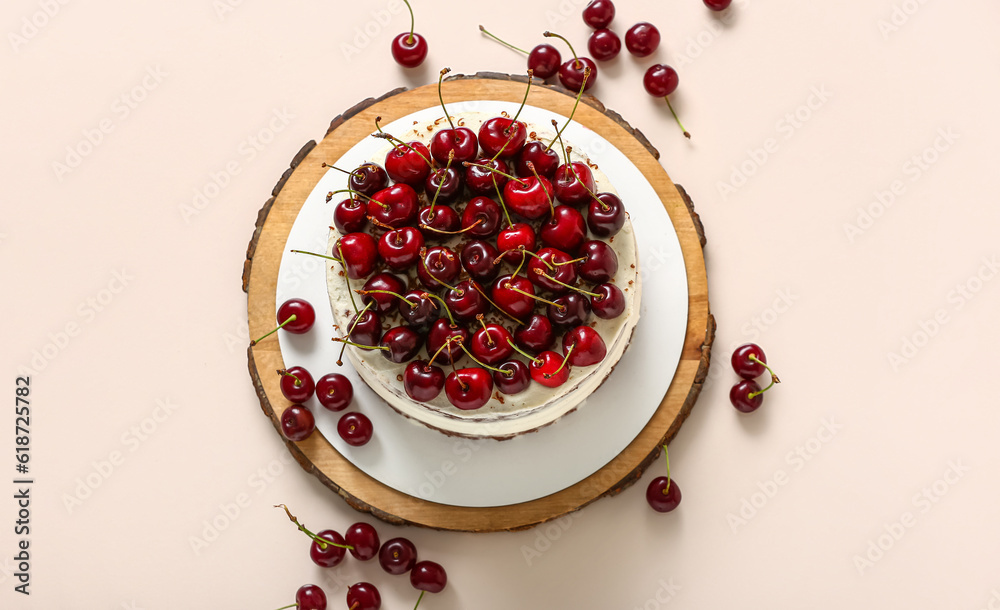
(663, 494)
(397, 556)
(718, 5)
(409, 49)
(642, 39)
(296, 384)
(746, 396)
(661, 80)
(310, 597)
(599, 13)
(364, 539)
(296, 316)
(577, 73)
(297, 423)
(328, 555)
(355, 428)
(334, 391)
(604, 45)
(746, 367)
(428, 576)
(363, 596)
(543, 60)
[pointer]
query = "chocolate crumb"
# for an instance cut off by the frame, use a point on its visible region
(632, 265)
(399, 377)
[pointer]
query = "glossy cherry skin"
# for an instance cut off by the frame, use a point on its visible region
(588, 346)
(351, 215)
(740, 393)
(569, 189)
(438, 223)
(605, 215)
(297, 423)
(408, 165)
(355, 428)
(515, 239)
(395, 206)
(599, 13)
(334, 391)
(451, 182)
(571, 73)
(515, 379)
(565, 230)
(573, 311)
(546, 369)
(642, 39)
(305, 316)
(557, 268)
(718, 5)
(423, 381)
(611, 302)
(428, 576)
(544, 61)
(409, 50)
(502, 137)
(403, 342)
(663, 494)
(604, 45)
(364, 538)
(439, 263)
(544, 159)
(660, 80)
(465, 302)
(477, 259)
(397, 556)
(330, 556)
(363, 596)
(368, 330)
(515, 303)
(360, 254)
(483, 215)
(297, 384)
(530, 198)
(419, 310)
(468, 389)
(460, 140)
(400, 248)
(368, 179)
(441, 331)
(383, 303)
(601, 264)
(310, 597)
(744, 366)
(481, 180)
(492, 344)
(536, 335)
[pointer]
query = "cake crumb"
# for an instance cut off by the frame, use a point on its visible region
(632, 265)
(504, 114)
(399, 377)
(498, 397)
(630, 282)
(461, 122)
(533, 135)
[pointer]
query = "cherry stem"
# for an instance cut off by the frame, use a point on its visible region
(510, 286)
(666, 455)
(379, 223)
(332, 258)
(421, 596)
(520, 249)
(495, 171)
(413, 22)
(490, 301)
(563, 38)
(580, 290)
(544, 262)
(468, 228)
(774, 378)
(443, 304)
(357, 319)
(552, 206)
(565, 151)
(524, 353)
(323, 543)
(503, 206)
(356, 172)
(503, 372)
(569, 351)
(291, 318)
(353, 192)
(346, 278)
(676, 118)
(576, 104)
(571, 261)
(451, 157)
(531, 74)
(395, 294)
(441, 98)
(479, 318)
(503, 42)
(382, 348)
(450, 340)
(295, 605)
(285, 373)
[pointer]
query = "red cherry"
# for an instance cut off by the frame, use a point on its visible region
(568, 187)
(642, 39)
(297, 423)
(439, 267)
(402, 343)
(599, 13)
(446, 183)
(515, 378)
(400, 248)
(565, 230)
(441, 333)
(439, 222)
(359, 252)
(296, 316)
(550, 369)
(368, 179)
(477, 259)
(502, 137)
(569, 310)
(518, 236)
(355, 428)
(310, 597)
(605, 215)
(551, 269)
(397, 556)
(536, 334)
(296, 384)
(481, 216)
(364, 538)
(491, 344)
(465, 302)
(610, 303)
(746, 396)
(744, 366)
(418, 309)
(422, 381)
(544, 159)
(508, 294)
(409, 49)
(460, 140)
(395, 206)
(588, 346)
(543, 60)
(604, 45)
(481, 180)
(601, 262)
(572, 72)
(366, 328)
(663, 494)
(531, 197)
(468, 388)
(409, 163)
(660, 80)
(350, 215)
(363, 596)
(718, 5)
(331, 555)
(428, 576)
(334, 391)
(382, 290)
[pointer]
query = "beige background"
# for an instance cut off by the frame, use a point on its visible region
(123, 274)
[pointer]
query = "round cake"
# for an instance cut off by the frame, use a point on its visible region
(486, 286)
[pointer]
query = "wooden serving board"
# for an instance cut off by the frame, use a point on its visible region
(317, 456)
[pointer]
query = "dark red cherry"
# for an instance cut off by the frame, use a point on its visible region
(601, 264)
(355, 428)
(477, 258)
(438, 223)
(364, 538)
(423, 381)
(483, 215)
(518, 236)
(605, 215)
(310, 597)
(744, 366)
(604, 45)
(718, 5)
(460, 140)
(296, 384)
(428, 576)
(660, 80)
(439, 334)
(491, 344)
(571, 73)
(611, 302)
(482, 181)
(549, 369)
(531, 197)
(599, 13)
(663, 494)
(451, 185)
(367, 330)
(544, 61)
(368, 179)
(509, 295)
(409, 49)
(550, 265)
(468, 389)
(544, 159)
(569, 189)
(588, 346)
(419, 310)
(465, 302)
(350, 215)
(331, 555)
(397, 556)
(360, 254)
(536, 335)
(565, 230)
(570, 310)
(409, 164)
(400, 248)
(514, 378)
(502, 137)
(363, 596)
(746, 396)
(334, 391)
(297, 423)
(403, 342)
(439, 263)
(382, 284)
(642, 39)
(296, 316)
(395, 206)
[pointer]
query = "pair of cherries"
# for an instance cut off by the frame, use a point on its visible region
(641, 40)
(749, 362)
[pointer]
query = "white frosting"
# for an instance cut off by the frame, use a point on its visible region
(503, 416)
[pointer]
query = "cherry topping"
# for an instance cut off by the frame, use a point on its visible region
(642, 39)
(599, 13)
(468, 388)
(440, 336)
(601, 262)
(514, 295)
(481, 180)
(565, 229)
(465, 302)
(446, 184)
(542, 157)
(355, 428)
(382, 291)
(491, 344)
(439, 222)
(364, 539)
(605, 215)
(610, 303)
(350, 215)
(530, 197)
(400, 248)
(536, 334)
(423, 381)
(552, 270)
(395, 206)
(588, 346)
(409, 49)
(334, 391)
(297, 423)
(407, 162)
(365, 328)
(514, 378)
(359, 254)
(481, 217)
(550, 369)
(402, 343)
(477, 259)
(397, 556)
(418, 309)
(570, 309)
(438, 268)
(514, 240)
(568, 186)
(502, 137)
(368, 179)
